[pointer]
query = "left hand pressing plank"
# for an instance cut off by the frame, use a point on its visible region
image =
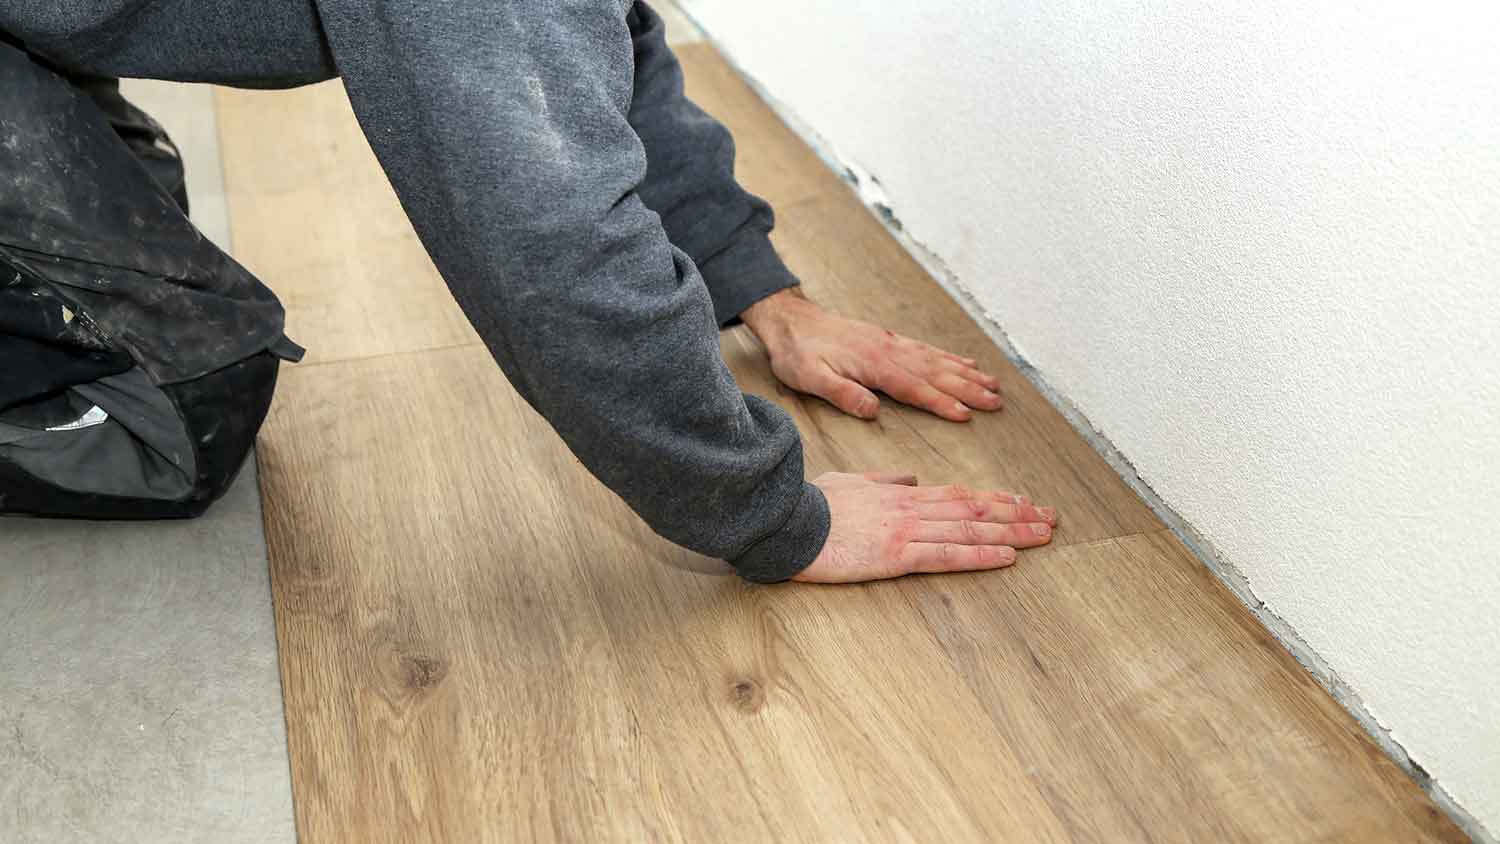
(883, 525)
(842, 360)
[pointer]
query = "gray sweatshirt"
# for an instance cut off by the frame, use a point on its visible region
(517, 135)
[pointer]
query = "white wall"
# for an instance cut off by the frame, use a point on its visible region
(1258, 245)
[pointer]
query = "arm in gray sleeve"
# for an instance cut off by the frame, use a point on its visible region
(504, 129)
(690, 180)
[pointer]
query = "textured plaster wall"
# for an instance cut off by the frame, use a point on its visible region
(1258, 246)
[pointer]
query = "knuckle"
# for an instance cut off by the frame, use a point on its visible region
(969, 531)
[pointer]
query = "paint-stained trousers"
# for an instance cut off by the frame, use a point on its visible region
(582, 210)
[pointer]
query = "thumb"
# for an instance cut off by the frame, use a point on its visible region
(902, 478)
(844, 394)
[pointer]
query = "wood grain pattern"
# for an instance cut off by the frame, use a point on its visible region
(769, 159)
(480, 643)
(316, 219)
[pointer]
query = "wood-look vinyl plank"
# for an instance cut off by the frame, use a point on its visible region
(478, 642)
(770, 160)
(318, 222)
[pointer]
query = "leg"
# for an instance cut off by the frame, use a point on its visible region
(147, 140)
(265, 44)
(690, 180)
(140, 359)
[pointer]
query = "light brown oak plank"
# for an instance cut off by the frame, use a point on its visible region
(315, 218)
(1145, 702)
(480, 643)
(769, 159)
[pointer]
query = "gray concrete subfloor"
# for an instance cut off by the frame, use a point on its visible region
(139, 693)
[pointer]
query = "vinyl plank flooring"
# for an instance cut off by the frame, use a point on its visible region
(516, 647)
(480, 643)
(316, 219)
(680, 29)
(769, 159)
(1123, 662)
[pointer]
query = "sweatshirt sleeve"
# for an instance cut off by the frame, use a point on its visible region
(504, 128)
(690, 180)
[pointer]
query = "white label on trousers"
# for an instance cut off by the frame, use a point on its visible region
(95, 416)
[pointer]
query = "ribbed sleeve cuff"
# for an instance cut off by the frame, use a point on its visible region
(792, 548)
(746, 272)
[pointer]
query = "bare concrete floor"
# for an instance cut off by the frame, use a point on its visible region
(139, 694)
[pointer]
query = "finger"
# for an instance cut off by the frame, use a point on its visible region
(934, 557)
(969, 372)
(844, 394)
(980, 510)
(905, 387)
(966, 532)
(892, 478)
(967, 391)
(959, 492)
(944, 353)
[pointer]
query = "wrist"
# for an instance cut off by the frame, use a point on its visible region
(772, 317)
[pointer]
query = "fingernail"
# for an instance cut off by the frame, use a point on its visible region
(961, 408)
(1007, 553)
(989, 396)
(1048, 513)
(1041, 530)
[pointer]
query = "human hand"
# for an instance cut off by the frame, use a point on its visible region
(884, 525)
(842, 360)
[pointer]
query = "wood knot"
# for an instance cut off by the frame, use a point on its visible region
(419, 671)
(747, 695)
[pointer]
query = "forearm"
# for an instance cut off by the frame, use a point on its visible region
(690, 182)
(520, 170)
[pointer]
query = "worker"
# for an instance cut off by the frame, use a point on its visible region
(581, 209)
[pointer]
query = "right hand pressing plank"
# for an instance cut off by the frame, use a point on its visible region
(884, 525)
